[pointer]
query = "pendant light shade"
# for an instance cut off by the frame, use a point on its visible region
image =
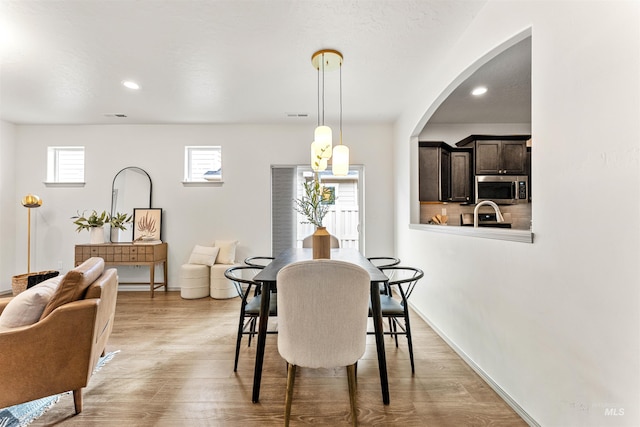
(340, 165)
(324, 141)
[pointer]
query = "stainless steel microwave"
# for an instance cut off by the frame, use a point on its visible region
(502, 189)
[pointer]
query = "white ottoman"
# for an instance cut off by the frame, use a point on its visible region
(221, 287)
(194, 281)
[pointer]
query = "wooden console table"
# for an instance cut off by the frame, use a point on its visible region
(128, 254)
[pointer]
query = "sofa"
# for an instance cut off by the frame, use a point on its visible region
(53, 334)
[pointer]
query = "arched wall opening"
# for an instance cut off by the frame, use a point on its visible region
(454, 116)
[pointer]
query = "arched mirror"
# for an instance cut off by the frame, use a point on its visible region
(131, 189)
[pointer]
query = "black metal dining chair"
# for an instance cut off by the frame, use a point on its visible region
(395, 304)
(250, 292)
(258, 261)
(383, 262)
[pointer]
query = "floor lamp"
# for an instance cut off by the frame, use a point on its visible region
(30, 201)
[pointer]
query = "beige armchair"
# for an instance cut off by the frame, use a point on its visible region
(59, 352)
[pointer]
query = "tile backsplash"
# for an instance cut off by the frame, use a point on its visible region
(520, 214)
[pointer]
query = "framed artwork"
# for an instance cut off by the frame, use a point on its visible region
(147, 223)
(328, 195)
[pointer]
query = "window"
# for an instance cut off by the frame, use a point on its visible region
(203, 163)
(345, 218)
(65, 164)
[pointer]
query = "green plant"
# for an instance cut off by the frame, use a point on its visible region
(96, 219)
(311, 203)
(91, 221)
(119, 220)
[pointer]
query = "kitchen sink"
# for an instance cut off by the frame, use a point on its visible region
(485, 220)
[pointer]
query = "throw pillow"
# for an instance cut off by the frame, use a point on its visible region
(227, 254)
(27, 307)
(205, 255)
(75, 283)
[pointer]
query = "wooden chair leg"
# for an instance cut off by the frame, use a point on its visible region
(77, 400)
(291, 377)
(356, 372)
(351, 376)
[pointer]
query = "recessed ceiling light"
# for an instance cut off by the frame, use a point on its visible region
(480, 90)
(131, 85)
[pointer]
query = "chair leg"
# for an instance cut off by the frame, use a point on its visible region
(409, 341)
(395, 330)
(291, 377)
(356, 372)
(77, 400)
(238, 342)
(351, 376)
(252, 329)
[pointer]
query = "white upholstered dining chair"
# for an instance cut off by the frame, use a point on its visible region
(322, 319)
(307, 242)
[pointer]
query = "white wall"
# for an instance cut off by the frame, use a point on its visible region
(8, 203)
(240, 209)
(555, 324)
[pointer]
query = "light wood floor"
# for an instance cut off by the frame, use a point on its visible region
(175, 368)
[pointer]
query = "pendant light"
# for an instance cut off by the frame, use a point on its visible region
(322, 146)
(340, 164)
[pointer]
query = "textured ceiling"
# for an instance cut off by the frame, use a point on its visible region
(62, 62)
(508, 98)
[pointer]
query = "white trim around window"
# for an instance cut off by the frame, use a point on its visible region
(65, 166)
(202, 165)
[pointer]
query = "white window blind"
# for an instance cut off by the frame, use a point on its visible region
(203, 163)
(65, 164)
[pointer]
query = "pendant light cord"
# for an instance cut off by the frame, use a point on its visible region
(323, 89)
(340, 103)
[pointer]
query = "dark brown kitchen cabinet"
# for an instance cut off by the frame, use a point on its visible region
(460, 176)
(498, 155)
(444, 173)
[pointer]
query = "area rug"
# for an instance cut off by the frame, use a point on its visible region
(25, 413)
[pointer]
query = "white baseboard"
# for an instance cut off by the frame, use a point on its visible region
(503, 394)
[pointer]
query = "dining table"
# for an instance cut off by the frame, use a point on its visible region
(268, 279)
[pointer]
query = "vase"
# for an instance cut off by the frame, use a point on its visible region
(96, 235)
(321, 243)
(115, 234)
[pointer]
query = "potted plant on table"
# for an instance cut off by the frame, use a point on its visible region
(313, 207)
(95, 222)
(118, 223)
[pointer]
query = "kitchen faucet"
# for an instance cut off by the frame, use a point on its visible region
(495, 207)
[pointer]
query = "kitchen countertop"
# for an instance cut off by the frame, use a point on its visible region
(522, 236)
